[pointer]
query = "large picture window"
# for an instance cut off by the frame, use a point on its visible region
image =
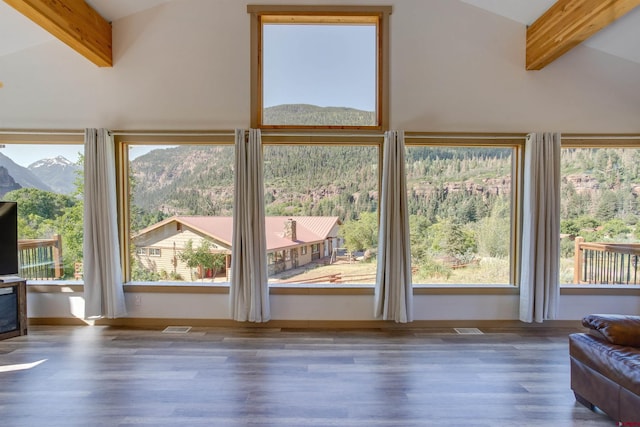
(325, 197)
(599, 228)
(179, 212)
(47, 182)
(319, 67)
(461, 213)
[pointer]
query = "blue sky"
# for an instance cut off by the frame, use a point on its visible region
(325, 65)
(25, 154)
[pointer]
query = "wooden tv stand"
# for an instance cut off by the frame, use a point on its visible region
(20, 288)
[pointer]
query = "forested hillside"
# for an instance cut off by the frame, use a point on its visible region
(459, 199)
(186, 180)
(601, 183)
(321, 180)
(299, 180)
(312, 115)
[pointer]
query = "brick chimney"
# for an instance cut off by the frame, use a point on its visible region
(290, 229)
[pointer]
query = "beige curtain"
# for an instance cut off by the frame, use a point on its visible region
(394, 291)
(539, 284)
(103, 292)
(249, 295)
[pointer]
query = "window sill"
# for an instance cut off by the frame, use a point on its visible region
(47, 287)
(600, 290)
(320, 289)
(419, 289)
(177, 288)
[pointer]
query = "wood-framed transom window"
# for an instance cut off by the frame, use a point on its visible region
(319, 67)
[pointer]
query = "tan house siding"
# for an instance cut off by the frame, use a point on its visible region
(171, 242)
(306, 258)
(171, 236)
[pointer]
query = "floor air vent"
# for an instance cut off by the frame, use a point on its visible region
(176, 329)
(468, 331)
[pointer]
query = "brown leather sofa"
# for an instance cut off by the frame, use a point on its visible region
(605, 365)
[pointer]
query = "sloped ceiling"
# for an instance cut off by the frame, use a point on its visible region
(622, 38)
(18, 32)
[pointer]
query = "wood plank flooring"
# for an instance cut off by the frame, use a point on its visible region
(101, 376)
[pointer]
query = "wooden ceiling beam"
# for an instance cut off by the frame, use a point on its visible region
(75, 23)
(568, 23)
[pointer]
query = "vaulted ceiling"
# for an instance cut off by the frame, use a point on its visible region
(17, 32)
(568, 23)
(75, 23)
(620, 38)
(554, 26)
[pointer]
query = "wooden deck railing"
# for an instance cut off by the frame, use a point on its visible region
(41, 259)
(606, 263)
(594, 263)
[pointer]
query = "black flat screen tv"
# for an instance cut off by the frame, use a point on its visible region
(8, 239)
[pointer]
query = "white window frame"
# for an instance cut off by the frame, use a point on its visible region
(155, 252)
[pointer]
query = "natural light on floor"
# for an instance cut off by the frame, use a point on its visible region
(21, 366)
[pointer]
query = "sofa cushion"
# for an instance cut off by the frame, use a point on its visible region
(615, 328)
(621, 364)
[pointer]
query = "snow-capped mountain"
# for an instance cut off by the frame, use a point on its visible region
(21, 175)
(48, 163)
(59, 173)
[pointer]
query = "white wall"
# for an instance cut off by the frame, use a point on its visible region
(329, 307)
(185, 65)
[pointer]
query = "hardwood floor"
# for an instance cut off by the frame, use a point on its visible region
(101, 376)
